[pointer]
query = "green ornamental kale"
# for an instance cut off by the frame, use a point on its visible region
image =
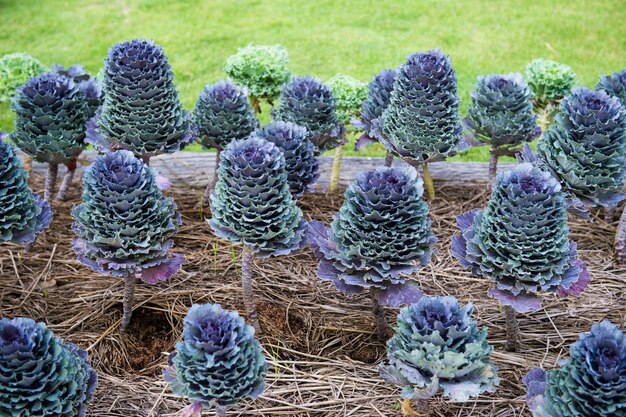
(549, 81)
(437, 346)
(219, 361)
(261, 69)
(141, 112)
(591, 383)
(23, 214)
(520, 241)
(307, 102)
(40, 375)
(15, 70)
(349, 94)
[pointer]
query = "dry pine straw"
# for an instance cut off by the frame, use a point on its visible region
(320, 344)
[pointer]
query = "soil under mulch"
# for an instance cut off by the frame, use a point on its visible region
(320, 345)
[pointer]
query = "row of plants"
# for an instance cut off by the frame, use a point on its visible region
(381, 234)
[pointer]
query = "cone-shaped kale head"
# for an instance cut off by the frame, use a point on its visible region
(437, 346)
(90, 86)
(23, 214)
(501, 112)
(219, 361)
(422, 121)
(381, 234)
(15, 70)
(349, 95)
(39, 374)
(251, 203)
(261, 69)
(520, 240)
(124, 226)
(50, 117)
(308, 102)
(614, 85)
(378, 96)
(141, 112)
(222, 114)
(300, 156)
(592, 382)
(549, 81)
(585, 148)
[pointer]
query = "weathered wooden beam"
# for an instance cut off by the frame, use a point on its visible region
(193, 169)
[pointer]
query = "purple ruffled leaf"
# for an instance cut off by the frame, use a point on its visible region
(364, 141)
(399, 294)
(164, 271)
(522, 303)
(194, 410)
(578, 286)
(162, 182)
(535, 382)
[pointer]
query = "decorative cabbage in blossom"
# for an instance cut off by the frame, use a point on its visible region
(549, 81)
(39, 374)
(141, 112)
(50, 117)
(261, 69)
(349, 94)
(300, 161)
(251, 203)
(15, 70)
(500, 112)
(422, 121)
(219, 361)
(437, 346)
(381, 233)
(520, 241)
(23, 214)
(222, 114)
(307, 102)
(90, 86)
(378, 96)
(124, 224)
(592, 383)
(585, 148)
(614, 85)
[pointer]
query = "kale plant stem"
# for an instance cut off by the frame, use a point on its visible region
(336, 172)
(212, 181)
(389, 159)
(428, 182)
(512, 329)
(67, 179)
(51, 180)
(493, 164)
(247, 263)
(620, 240)
(382, 328)
(609, 214)
(129, 296)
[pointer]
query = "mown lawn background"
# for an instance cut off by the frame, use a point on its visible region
(356, 37)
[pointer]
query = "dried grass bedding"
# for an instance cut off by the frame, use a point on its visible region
(321, 345)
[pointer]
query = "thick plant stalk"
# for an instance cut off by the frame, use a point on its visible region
(67, 179)
(51, 181)
(336, 172)
(382, 328)
(247, 263)
(493, 164)
(129, 296)
(512, 329)
(256, 104)
(620, 240)
(609, 214)
(428, 182)
(409, 411)
(389, 159)
(28, 164)
(212, 181)
(146, 159)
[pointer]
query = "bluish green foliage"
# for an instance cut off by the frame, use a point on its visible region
(422, 121)
(584, 148)
(437, 346)
(40, 376)
(501, 112)
(219, 361)
(222, 114)
(591, 383)
(23, 214)
(90, 86)
(251, 203)
(124, 226)
(308, 102)
(378, 96)
(349, 94)
(261, 69)
(381, 233)
(50, 117)
(520, 241)
(300, 161)
(549, 81)
(15, 70)
(614, 85)
(141, 111)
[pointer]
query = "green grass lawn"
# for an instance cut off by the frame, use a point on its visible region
(356, 37)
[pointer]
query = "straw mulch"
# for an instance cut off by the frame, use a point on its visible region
(321, 346)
